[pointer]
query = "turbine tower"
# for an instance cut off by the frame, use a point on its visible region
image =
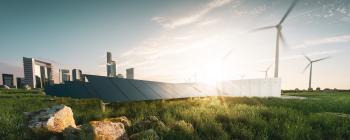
(310, 65)
(279, 36)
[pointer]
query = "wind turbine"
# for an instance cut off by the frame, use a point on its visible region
(266, 71)
(310, 65)
(279, 36)
(242, 76)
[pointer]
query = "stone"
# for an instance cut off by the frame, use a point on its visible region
(149, 134)
(72, 133)
(51, 120)
(122, 119)
(82, 132)
(6, 87)
(27, 87)
(106, 130)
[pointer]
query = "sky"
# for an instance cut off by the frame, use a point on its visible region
(182, 40)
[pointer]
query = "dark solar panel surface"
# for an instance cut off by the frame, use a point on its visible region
(145, 89)
(106, 89)
(128, 89)
(120, 90)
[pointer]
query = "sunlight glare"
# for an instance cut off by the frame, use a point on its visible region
(213, 73)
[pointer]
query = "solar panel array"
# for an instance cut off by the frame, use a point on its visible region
(121, 90)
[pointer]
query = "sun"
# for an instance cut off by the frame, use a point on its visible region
(212, 73)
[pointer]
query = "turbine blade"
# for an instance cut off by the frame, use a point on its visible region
(307, 58)
(228, 54)
(268, 68)
(283, 40)
(288, 11)
(321, 59)
(262, 28)
(307, 66)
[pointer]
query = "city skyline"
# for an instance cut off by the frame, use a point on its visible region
(172, 41)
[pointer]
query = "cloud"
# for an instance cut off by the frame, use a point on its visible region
(208, 22)
(324, 41)
(250, 12)
(192, 18)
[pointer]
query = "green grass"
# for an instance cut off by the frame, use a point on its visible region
(320, 116)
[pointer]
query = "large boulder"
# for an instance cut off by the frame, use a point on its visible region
(106, 130)
(51, 120)
(122, 119)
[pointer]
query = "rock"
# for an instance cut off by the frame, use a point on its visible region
(149, 134)
(6, 87)
(122, 119)
(106, 130)
(82, 132)
(150, 122)
(27, 87)
(54, 138)
(51, 120)
(72, 133)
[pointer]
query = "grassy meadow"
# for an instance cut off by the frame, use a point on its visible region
(320, 116)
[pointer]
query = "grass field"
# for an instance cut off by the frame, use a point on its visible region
(319, 116)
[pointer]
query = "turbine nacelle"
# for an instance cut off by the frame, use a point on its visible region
(279, 27)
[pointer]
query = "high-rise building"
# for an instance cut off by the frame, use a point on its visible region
(64, 75)
(7, 79)
(111, 66)
(37, 74)
(111, 69)
(130, 73)
(77, 75)
(19, 81)
(109, 57)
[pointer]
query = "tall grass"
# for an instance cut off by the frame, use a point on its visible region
(320, 116)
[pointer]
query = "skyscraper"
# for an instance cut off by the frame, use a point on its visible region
(130, 73)
(7, 79)
(77, 75)
(37, 74)
(64, 75)
(111, 66)
(109, 57)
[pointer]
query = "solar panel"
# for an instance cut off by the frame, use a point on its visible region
(106, 90)
(205, 90)
(157, 87)
(169, 90)
(121, 90)
(146, 90)
(128, 89)
(93, 92)
(184, 91)
(77, 90)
